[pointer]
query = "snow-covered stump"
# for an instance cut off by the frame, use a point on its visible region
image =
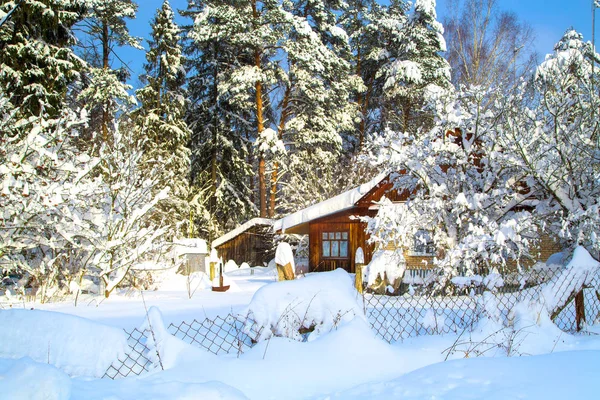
(359, 262)
(284, 259)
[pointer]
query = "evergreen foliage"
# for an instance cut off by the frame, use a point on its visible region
(160, 120)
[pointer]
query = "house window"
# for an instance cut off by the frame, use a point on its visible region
(335, 244)
(423, 243)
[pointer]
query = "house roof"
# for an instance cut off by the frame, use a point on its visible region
(241, 229)
(341, 202)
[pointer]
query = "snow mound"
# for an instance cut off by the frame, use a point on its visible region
(173, 281)
(75, 345)
(24, 379)
(320, 301)
(230, 266)
(390, 263)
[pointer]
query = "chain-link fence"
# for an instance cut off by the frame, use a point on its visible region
(427, 310)
(219, 336)
(233, 334)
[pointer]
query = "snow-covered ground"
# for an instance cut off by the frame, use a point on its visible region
(349, 362)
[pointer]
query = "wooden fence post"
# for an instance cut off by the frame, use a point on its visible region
(579, 310)
(359, 262)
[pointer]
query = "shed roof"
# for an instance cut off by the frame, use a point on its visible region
(341, 202)
(241, 229)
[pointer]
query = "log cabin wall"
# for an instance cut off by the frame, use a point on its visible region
(338, 223)
(255, 246)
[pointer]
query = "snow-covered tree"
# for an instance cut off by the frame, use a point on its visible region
(551, 124)
(460, 188)
(42, 200)
(104, 92)
(315, 112)
(126, 191)
(161, 118)
(417, 69)
(222, 126)
(376, 33)
(283, 65)
(36, 64)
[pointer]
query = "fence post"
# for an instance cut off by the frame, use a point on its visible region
(359, 260)
(579, 310)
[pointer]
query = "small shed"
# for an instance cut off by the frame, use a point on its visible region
(194, 253)
(251, 242)
(335, 232)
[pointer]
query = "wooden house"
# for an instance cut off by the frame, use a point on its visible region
(334, 228)
(251, 242)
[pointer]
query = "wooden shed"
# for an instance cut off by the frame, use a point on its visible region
(251, 242)
(335, 232)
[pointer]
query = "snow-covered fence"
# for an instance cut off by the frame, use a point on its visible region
(136, 360)
(425, 312)
(232, 334)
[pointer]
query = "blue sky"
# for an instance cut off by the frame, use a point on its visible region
(549, 19)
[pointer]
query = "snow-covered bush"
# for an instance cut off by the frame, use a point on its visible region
(75, 345)
(317, 303)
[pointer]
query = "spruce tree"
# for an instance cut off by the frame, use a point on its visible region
(36, 63)
(104, 91)
(222, 124)
(161, 117)
(416, 70)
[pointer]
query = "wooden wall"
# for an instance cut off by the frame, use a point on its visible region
(255, 246)
(340, 222)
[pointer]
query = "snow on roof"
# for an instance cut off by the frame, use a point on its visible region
(190, 246)
(241, 229)
(338, 203)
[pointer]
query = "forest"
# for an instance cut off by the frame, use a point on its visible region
(261, 108)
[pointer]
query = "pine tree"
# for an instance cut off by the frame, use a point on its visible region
(418, 69)
(36, 64)
(315, 113)
(376, 35)
(104, 91)
(221, 122)
(161, 117)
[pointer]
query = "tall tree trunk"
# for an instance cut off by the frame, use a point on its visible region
(280, 130)
(262, 181)
(105, 54)
(360, 100)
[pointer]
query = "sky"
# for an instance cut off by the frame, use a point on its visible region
(549, 19)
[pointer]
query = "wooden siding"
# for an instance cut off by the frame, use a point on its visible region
(340, 222)
(255, 246)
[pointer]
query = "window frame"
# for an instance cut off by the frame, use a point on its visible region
(429, 249)
(332, 238)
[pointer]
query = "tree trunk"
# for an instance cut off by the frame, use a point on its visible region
(262, 182)
(280, 130)
(105, 54)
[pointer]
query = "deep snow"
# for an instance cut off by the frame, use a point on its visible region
(349, 362)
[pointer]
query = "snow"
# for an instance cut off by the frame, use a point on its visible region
(582, 270)
(359, 258)
(320, 301)
(190, 246)
(29, 380)
(348, 362)
(553, 376)
(241, 229)
(284, 255)
(75, 345)
(338, 203)
(388, 262)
